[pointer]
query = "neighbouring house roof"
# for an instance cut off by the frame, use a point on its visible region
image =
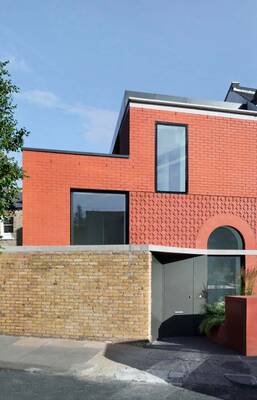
(245, 96)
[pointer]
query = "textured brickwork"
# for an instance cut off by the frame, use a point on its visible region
(222, 180)
(176, 220)
(76, 295)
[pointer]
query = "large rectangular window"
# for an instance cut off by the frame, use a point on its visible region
(171, 155)
(98, 218)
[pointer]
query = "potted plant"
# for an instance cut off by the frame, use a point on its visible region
(214, 317)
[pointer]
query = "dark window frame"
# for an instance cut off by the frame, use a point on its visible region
(186, 154)
(232, 229)
(7, 224)
(103, 191)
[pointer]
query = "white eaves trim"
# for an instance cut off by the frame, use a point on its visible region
(240, 114)
(193, 251)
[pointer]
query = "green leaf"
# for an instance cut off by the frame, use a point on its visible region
(11, 140)
(214, 316)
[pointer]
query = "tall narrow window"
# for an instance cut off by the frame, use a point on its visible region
(224, 272)
(98, 218)
(171, 158)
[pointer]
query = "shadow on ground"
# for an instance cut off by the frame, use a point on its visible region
(193, 363)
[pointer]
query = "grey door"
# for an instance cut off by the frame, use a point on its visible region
(178, 288)
(184, 294)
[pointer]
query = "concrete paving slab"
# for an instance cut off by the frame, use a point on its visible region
(7, 340)
(32, 342)
(13, 354)
(67, 343)
(56, 354)
(58, 358)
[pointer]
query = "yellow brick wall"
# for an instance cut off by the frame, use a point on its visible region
(92, 295)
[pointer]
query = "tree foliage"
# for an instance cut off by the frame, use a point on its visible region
(11, 140)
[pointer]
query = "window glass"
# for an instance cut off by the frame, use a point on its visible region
(224, 277)
(98, 218)
(224, 272)
(171, 158)
(225, 237)
(8, 225)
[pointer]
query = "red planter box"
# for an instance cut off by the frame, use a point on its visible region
(240, 328)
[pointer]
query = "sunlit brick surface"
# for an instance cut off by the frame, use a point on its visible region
(88, 295)
(222, 181)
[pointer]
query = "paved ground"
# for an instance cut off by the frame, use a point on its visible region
(181, 368)
(19, 385)
(49, 354)
(195, 364)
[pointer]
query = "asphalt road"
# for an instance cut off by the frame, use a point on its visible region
(21, 385)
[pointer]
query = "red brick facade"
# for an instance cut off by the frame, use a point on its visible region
(222, 183)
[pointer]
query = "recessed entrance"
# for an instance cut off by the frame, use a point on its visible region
(178, 290)
(183, 284)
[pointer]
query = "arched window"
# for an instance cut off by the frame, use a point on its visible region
(225, 237)
(224, 272)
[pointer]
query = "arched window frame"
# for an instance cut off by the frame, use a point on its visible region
(237, 235)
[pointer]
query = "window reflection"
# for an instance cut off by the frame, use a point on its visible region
(224, 272)
(171, 158)
(98, 218)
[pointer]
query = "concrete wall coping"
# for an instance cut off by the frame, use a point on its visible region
(125, 248)
(74, 248)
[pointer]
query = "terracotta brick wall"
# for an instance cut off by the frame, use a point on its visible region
(177, 220)
(221, 174)
(93, 295)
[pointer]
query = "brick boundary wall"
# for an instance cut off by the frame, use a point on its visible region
(91, 295)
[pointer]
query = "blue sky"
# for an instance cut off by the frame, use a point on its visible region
(73, 59)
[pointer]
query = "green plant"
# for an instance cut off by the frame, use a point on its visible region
(214, 316)
(249, 277)
(11, 141)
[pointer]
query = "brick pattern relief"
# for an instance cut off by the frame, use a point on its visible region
(88, 295)
(175, 220)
